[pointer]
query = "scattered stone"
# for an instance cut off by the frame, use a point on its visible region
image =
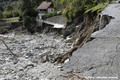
(36, 47)
(29, 54)
(16, 61)
(45, 59)
(66, 61)
(21, 70)
(42, 71)
(29, 65)
(34, 53)
(7, 79)
(35, 61)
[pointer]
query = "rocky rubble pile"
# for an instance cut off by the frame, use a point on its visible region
(32, 55)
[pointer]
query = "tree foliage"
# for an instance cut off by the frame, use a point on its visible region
(29, 23)
(29, 15)
(1, 15)
(1, 8)
(26, 4)
(75, 8)
(10, 8)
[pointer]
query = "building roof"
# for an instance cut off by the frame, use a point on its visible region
(44, 5)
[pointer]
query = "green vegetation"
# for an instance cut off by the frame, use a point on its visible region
(76, 8)
(10, 8)
(29, 15)
(1, 15)
(70, 9)
(97, 8)
(15, 8)
(52, 14)
(14, 13)
(13, 19)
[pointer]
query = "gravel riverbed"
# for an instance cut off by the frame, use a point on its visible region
(29, 48)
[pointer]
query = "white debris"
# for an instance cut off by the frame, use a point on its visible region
(68, 38)
(58, 26)
(67, 60)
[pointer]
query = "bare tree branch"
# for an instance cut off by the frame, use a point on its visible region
(9, 48)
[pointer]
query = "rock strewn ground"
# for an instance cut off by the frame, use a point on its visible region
(29, 49)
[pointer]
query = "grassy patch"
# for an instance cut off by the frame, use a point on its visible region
(13, 19)
(52, 14)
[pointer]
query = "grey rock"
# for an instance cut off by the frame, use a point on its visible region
(15, 62)
(29, 54)
(29, 65)
(21, 69)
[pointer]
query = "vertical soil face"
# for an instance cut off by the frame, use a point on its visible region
(81, 35)
(89, 25)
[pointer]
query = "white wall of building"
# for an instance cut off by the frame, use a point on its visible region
(50, 10)
(41, 13)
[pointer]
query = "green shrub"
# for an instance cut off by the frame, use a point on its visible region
(59, 13)
(52, 14)
(20, 18)
(29, 19)
(7, 14)
(72, 13)
(76, 8)
(16, 13)
(97, 8)
(29, 23)
(1, 15)
(30, 12)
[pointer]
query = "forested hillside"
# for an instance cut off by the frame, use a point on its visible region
(13, 8)
(75, 8)
(72, 9)
(10, 8)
